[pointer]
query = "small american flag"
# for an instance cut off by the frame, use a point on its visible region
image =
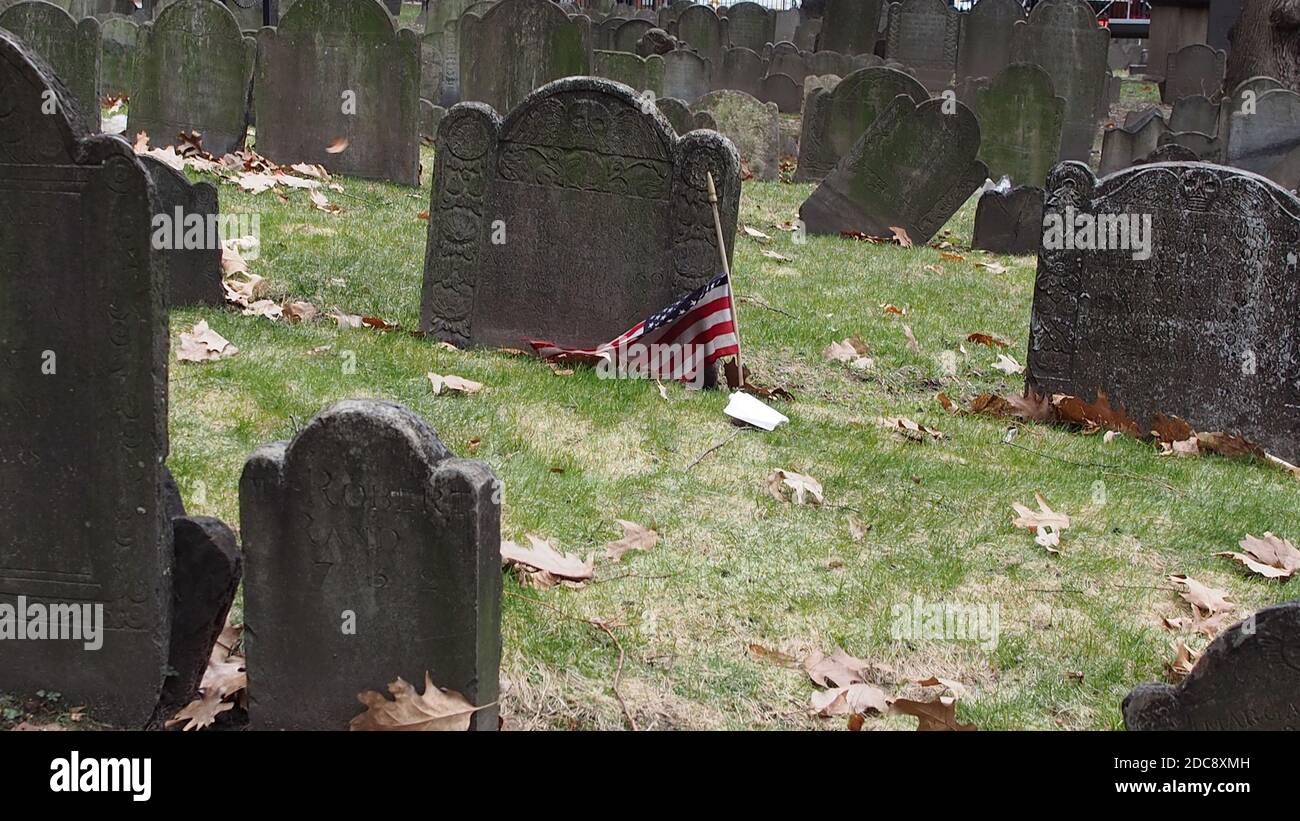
(695, 331)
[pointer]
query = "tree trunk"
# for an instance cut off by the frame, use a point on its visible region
(1266, 41)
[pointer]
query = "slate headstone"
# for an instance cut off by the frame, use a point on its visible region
(641, 73)
(681, 117)
(187, 235)
(366, 514)
(253, 14)
(1169, 152)
(1194, 69)
(742, 70)
(1195, 112)
(753, 126)
(83, 428)
(750, 25)
(1259, 139)
(1009, 222)
(337, 73)
(783, 91)
(431, 116)
(1020, 124)
(1193, 314)
(69, 46)
(913, 168)
(788, 61)
(702, 28)
(985, 45)
(687, 76)
(517, 46)
(432, 63)
(923, 35)
(1122, 145)
(602, 34)
(579, 147)
(1247, 679)
(851, 26)
(629, 33)
(117, 56)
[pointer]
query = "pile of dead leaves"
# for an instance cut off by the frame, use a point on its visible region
(224, 684)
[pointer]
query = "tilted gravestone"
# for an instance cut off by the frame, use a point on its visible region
(753, 126)
(851, 26)
(750, 25)
(518, 46)
(339, 86)
(367, 517)
(923, 36)
(687, 76)
(834, 119)
(742, 70)
(984, 48)
(705, 32)
(118, 37)
(912, 169)
(193, 72)
(1247, 679)
(1063, 37)
(188, 235)
(1178, 294)
(84, 428)
(1009, 222)
(1020, 124)
(591, 150)
(602, 33)
(1122, 146)
(786, 59)
(1194, 69)
(69, 46)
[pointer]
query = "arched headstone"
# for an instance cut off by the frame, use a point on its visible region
(833, 120)
(70, 47)
(518, 46)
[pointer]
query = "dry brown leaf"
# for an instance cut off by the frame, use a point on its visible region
(1183, 663)
(544, 558)
(846, 350)
(951, 685)
(1073, 410)
(635, 537)
(803, 489)
(1008, 365)
(912, 344)
(900, 236)
(890, 308)
(322, 203)
(855, 699)
(755, 234)
(857, 528)
(836, 670)
(987, 339)
(992, 267)
(1046, 523)
(435, 709)
(452, 383)
(1205, 599)
(910, 430)
(1271, 557)
(202, 344)
(938, 715)
(780, 659)
(201, 712)
(300, 311)
(776, 255)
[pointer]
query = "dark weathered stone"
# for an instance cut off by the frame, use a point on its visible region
(851, 27)
(787, 60)
(1174, 24)
(602, 34)
(579, 146)
(450, 64)
(205, 575)
(750, 25)
(69, 46)
(430, 117)
(833, 120)
(1260, 138)
(83, 428)
(783, 91)
(118, 37)
(366, 514)
(923, 35)
(1247, 679)
(1200, 325)
(1063, 37)
(784, 25)
(985, 45)
(687, 76)
(656, 41)
(681, 117)
(742, 70)
(193, 72)
(432, 64)
(441, 12)
(829, 62)
(1009, 222)
(913, 168)
(1020, 124)
(1139, 136)
(517, 46)
(1195, 113)
(752, 126)
(1194, 69)
(253, 14)
(1169, 152)
(193, 273)
(701, 28)
(629, 33)
(641, 73)
(323, 55)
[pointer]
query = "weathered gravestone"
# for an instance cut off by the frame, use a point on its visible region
(681, 117)
(687, 76)
(1168, 152)
(1122, 146)
(834, 119)
(750, 25)
(366, 515)
(1009, 222)
(1261, 137)
(69, 46)
(118, 37)
(1020, 124)
(629, 33)
(440, 12)
(851, 26)
(99, 8)
(450, 64)
(1247, 679)
(1194, 69)
(253, 14)
(788, 60)
(923, 36)
(83, 429)
(641, 73)
(813, 82)
(785, 24)
(1175, 293)
(193, 72)
(1195, 112)
(984, 48)
(432, 61)
(430, 117)
(742, 70)
(705, 32)
(1063, 37)
(335, 75)
(517, 46)
(752, 125)
(783, 92)
(913, 168)
(580, 149)
(188, 235)
(602, 33)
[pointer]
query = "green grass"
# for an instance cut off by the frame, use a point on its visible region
(734, 566)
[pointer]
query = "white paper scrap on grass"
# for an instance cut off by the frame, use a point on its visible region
(748, 409)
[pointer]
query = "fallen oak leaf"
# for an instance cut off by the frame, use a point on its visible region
(987, 339)
(201, 712)
(544, 557)
(202, 344)
(635, 537)
(836, 670)
(1046, 523)
(1200, 596)
(1183, 663)
(910, 430)
(846, 350)
(1271, 557)
(938, 715)
(855, 699)
(780, 659)
(453, 383)
(803, 489)
(435, 709)
(900, 236)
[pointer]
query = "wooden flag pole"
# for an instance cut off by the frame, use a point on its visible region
(726, 269)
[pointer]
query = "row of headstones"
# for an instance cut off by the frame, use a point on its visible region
(365, 519)
(1256, 128)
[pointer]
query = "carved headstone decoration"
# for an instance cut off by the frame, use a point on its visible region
(1194, 69)
(517, 46)
(750, 25)
(338, 74)
(833, 120)
(367, 517)
(851, 27)
(1169, 152)
(656, 41)
(985, 45)
(752, 126)
(1247, 679)
(923, 36)
(1020, 124)
(1063, 37)
(118, 37)
(82, 428)
(912, 169)
(579, 146)
(193, 71)
(69, 46)
(1009, 222)
(1183, 301)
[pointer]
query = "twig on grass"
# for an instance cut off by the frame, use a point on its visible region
(753, 300)
(1102, 466)
(718, 446)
